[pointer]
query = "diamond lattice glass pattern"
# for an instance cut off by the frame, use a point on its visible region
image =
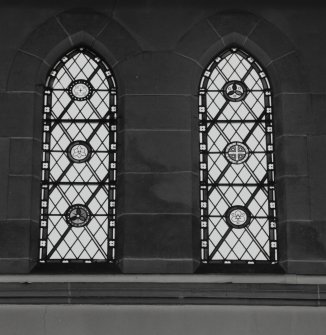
(78, 188)
(236, 162)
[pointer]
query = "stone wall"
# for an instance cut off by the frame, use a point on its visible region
(183, 320)
(158, 51)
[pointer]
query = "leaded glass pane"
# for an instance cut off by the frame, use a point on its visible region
(78, 188)
(237, 191)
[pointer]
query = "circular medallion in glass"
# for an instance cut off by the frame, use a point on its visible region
(238, 216)
(235, 90)
(79, 151)
(236, 152)
(78, 216)
(80, 90)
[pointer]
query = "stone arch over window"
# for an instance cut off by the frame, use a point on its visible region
(68, 30)
(237, 180)
(286, 71)
(78, 185)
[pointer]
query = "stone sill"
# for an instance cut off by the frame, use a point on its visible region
(291, 279)
(286, 290)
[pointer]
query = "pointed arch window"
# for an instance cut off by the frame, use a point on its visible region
(78, 186)
(237, 191)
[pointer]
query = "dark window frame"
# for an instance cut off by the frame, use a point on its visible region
(109, 121)
(208, 266)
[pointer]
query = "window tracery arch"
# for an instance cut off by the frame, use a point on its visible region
(237, 168)
(78, 181)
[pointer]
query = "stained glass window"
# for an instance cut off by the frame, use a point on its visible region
(78, 186)
(237, 189)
